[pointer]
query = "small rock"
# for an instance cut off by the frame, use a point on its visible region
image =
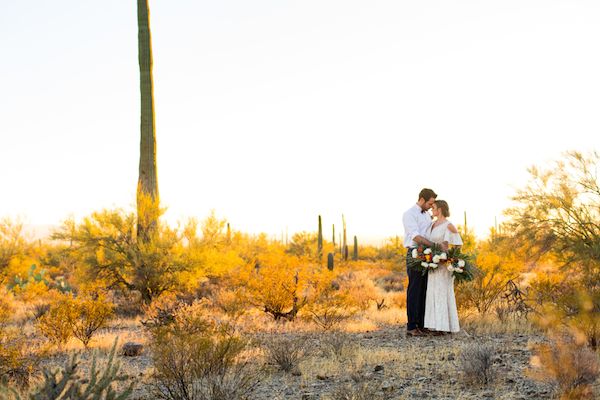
(378, 368)
(308, 396)
(131, 349)
(296, 372)
(451, 357)
(322, 377)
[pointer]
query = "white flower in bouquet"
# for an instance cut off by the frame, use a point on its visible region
(427, 251)
(461, 263)
(415, 253)
(424, 264)
(450, 268)
(459, 270)
(432, 265)
(443, 256)
(436, 259)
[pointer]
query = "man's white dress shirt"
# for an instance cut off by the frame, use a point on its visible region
(416, 223)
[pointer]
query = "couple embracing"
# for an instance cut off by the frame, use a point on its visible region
(430, 301)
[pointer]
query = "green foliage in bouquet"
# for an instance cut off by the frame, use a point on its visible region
(461, 265)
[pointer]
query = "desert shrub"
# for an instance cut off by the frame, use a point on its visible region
(484, 291)
(331, 307)
(339, 346)
(393, 282)
(91, 314)
(280, 284)
(397, 299)
(17, 362)
(38, 310)
(12, 243)
(358, 289)
(328, 316)
(128, 304)
(66, 383)
(557, 218)
(232, 302)
(567, 365)
(303, 244)
(56, 323)
(110, 251)
(564, 301)
(6, 307)
(476, 363)
(161, 311)
(196, 358)
(285, 352)
(79, 317)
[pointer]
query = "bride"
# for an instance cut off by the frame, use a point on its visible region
(440, 304)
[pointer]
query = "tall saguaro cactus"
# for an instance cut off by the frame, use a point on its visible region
(320, 240)
(345, 242)
(147, 190)
(355, 254)
(333, 236)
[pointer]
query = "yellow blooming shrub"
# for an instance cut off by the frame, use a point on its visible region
(80, 317)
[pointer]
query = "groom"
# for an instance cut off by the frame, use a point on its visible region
(416, 221)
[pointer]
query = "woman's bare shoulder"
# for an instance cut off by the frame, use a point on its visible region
(452, 228)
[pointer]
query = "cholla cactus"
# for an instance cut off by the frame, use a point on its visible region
(67, 384)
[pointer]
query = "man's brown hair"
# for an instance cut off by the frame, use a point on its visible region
(427, 194)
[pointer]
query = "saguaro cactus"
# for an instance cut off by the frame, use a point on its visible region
(345, 242)
(333, 235)
(147, 190)
(355, 255)
(330, 261)
(320, 240)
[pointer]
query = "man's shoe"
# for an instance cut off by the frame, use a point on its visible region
(414, 332)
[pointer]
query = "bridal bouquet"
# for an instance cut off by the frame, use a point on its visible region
(461, 265)
(424, 259)
(427, 259)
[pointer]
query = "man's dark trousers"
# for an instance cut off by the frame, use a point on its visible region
(415, 297)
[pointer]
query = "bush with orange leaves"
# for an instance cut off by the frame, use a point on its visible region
(569, 365)
(17, 360)
(281, 284)
(496, 268)
(70, 316)
(562, 301)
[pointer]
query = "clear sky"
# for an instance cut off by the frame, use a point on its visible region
(272, 112)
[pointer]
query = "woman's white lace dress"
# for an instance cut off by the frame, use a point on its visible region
(440, 303)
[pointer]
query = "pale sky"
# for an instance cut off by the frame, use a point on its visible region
(273, 112)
